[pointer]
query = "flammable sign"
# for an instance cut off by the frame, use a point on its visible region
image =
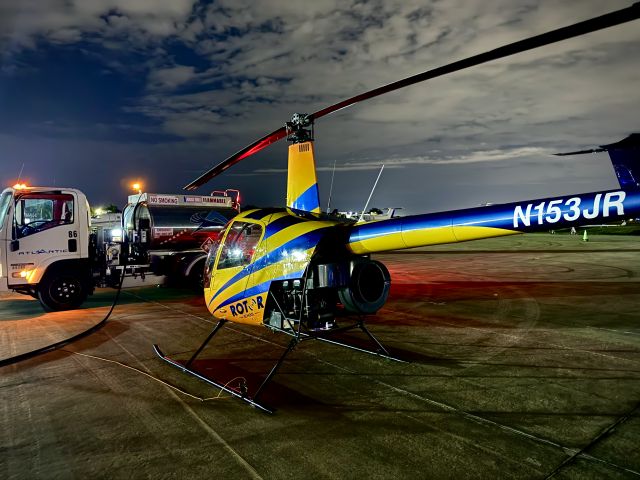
(206, 245)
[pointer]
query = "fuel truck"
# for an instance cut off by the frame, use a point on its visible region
(52, 250)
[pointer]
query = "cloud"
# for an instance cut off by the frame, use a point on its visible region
(481, 156)
(171, 77)
(286, 57)
(24, 23)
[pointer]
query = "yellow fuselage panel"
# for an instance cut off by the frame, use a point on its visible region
(218, 293)
(425, 237)
(239, 294)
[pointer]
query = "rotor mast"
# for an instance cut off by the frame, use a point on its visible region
(300, 128)
(302, 179)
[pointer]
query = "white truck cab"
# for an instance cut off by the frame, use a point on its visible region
(44, 244)
(50, 249)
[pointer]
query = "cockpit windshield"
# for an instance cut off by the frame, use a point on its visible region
(239, 245)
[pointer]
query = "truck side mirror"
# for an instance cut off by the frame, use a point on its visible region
(15, 245)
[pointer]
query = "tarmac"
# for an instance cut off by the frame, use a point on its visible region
(524, 363)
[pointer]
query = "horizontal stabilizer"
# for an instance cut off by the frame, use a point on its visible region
(580, 152)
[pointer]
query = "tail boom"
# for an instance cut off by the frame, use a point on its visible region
(493, 221)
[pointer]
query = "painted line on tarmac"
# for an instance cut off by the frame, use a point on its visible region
(239, 458)
(594, 441)
(516, 337)
(570, 451)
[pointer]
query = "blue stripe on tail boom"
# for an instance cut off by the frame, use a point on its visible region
(527, 216)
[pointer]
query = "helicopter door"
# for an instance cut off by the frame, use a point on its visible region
(227, 281)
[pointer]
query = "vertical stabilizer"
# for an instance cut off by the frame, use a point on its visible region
(625, 157)
(302, 182)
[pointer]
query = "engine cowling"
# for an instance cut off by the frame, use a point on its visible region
(368, 287)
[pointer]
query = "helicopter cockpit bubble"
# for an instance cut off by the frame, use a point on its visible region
(239, 245)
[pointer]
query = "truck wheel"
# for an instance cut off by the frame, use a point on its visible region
(61, 291)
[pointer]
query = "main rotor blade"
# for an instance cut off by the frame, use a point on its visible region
(598, 23)
(247, 151)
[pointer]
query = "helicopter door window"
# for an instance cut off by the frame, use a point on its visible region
(239, 245)
(37, 212)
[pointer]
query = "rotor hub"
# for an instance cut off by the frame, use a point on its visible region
(300, 128)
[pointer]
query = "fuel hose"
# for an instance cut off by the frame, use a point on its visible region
(54, 346)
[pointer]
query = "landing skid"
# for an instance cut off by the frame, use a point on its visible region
(241, 394)
(297, 337)
(323, 335)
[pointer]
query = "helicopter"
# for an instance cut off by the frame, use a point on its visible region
(302, 273)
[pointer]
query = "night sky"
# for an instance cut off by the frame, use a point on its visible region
(97, 93)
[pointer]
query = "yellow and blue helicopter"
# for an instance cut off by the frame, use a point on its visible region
(300, 272)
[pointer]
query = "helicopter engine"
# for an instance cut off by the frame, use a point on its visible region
(368, 287)
(359, 286)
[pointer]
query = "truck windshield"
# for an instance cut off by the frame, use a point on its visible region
(5, 200)
(36, 212)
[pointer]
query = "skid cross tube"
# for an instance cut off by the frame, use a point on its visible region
(204, 344)
(380, 352)
(208, 380)
(364, 328)
(242, 394)
(292, 344)
(297, 337)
